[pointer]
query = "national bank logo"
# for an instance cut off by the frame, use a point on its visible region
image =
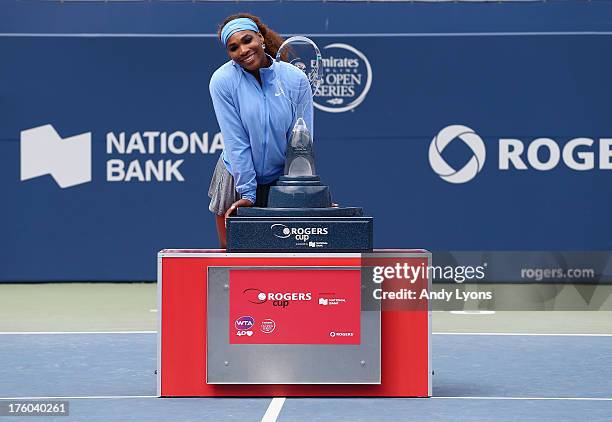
(346, 79)
(443, 139)
(148, 156)
(68, 160)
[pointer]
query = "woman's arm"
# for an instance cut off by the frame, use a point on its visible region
(235, 138)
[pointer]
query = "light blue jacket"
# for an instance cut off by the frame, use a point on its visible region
(256, 120)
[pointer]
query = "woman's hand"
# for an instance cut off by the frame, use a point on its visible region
(239, 203)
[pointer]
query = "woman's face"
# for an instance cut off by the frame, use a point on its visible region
(245, 48)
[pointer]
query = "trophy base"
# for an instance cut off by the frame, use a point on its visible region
(299, 217)
(300, 212)
(296, 231)
(299, 192)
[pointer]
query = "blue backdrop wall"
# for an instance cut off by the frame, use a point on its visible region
(521, 71)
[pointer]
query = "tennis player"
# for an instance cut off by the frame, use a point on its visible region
(255, 117)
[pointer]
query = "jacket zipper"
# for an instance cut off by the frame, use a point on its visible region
(265, 140)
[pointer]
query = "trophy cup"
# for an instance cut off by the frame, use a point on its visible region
(299, 215)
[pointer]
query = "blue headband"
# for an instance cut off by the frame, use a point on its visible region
(235, 25)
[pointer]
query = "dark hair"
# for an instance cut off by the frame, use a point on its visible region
(272, 40)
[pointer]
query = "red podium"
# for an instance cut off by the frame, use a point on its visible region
(292, 324)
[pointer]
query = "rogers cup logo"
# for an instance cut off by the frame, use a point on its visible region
(347, 76)
(441, 141)
(280, 230)
(301, 233)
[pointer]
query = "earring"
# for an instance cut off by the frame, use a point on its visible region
(263, 46)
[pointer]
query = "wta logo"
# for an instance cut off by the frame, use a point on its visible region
(442, 140)
(244, 322)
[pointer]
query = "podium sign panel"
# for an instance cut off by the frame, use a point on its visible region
(285, 306)
(307, 325)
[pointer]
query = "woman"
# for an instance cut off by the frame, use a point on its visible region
(255, 116)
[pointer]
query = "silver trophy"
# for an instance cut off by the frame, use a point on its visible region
(300, 187)
(303, 54)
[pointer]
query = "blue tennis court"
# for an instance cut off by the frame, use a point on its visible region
(110, 376)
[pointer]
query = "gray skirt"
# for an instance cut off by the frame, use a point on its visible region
(222, 190)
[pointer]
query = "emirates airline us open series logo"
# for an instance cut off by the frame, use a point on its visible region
(347, 77)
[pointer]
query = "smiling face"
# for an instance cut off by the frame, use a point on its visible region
(245, 48)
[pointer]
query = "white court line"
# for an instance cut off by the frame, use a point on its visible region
(525, 334)
(25, 333)
(434, 333)
(527, 398)
(472, 312)
(277, 403)
(75, 397)
(369, 35)
(273, 409)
